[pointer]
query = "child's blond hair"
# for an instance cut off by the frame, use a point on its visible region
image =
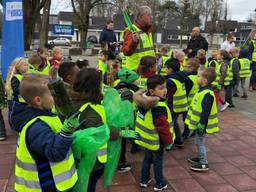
(234, 52)
(14, 69)
(201, 53)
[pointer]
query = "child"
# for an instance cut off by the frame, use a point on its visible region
(82, 63)
(88, 84)
(104, 57)
(146, 69)
(45, 66)
(57, 55)
(226, 77)
(182, 59)
(44, 157)
(201, 55)
(176, 96)
(202, 116)
(34, 61)
(235, 66)
(244, 70)
(163, 59)
(213, 61)
(154, 127)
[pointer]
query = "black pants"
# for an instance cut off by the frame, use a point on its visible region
(94, 177)
(2, 126)
(123, 152)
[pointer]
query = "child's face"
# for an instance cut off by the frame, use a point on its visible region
(169, 71)
(59, 55)
(180, 58)
(44, 55)
(23, 68)
(47, 102)
(219, 57)
(200, 79)
(153, 69)
(159, 91)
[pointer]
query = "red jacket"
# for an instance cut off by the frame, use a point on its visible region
(129, 45)
(55, 62)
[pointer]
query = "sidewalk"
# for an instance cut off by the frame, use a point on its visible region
(231, 155)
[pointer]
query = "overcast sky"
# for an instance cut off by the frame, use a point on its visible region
(238, 9)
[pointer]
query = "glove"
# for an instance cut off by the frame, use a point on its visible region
(169, 147)
(200, 129)
(71, 124)
(130, 134)
(219, 87)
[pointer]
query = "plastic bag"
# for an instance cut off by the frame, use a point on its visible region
(119, 115)
(85, 146)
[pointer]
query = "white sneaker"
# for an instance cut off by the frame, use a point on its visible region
(160, 189)
(224, 107)
(145, 185)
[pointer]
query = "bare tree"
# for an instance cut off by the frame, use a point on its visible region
(45, 24)
(82, 9)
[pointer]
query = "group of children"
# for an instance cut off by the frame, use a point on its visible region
(161, 90)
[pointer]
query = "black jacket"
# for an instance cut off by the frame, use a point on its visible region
(196, 43)
(108, 36)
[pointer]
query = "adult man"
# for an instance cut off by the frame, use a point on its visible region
(140, 43)
(108, 36)
(196, 42)
(228, 43)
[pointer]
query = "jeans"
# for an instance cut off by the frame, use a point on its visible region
(179, 138)
(228, 94)
(243, 86)
(2, 126)
(201, 149)
(155, 157)
(236, 87)
(93, 179)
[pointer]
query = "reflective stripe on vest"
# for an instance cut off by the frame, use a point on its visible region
(194, 88)
(180, 101)
(144, 48)
(244, 68)
(145, 127)
(254, 51)
(217, 70)
(142, 83)
(195, 111)
(102, 152)
(163, 67)
(213, 63)
(26, 171)
(229, 76)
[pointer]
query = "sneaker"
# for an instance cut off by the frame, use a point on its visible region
(224, 107)
(124, 167)
(2, 136)
(231, 106)
(179, 144)
(161, 188)
(244, 97)
(193, 160)
(235, 95)
(145, 185)
(199, 167)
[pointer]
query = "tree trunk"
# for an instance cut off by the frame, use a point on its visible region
(45, 24)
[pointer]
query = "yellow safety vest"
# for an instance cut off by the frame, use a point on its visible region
(217, 70)
(180, 100)
(46, 69)
(121, 54)
(244, 68)
(142, 83)
(146, 129)
(102, 66)
(195, 110)
(229, 76)
(162, 70)
(26, 171)
(194, 88)
(254, 51)
(170, 54)
(20, 99)
(213, 63)
(144, 48)
(102, 152)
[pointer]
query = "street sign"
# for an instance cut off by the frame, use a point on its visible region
(63, 29)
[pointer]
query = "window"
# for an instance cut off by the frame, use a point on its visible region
(173, 37)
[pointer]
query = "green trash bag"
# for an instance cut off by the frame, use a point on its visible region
(85, 146)
(119, 115)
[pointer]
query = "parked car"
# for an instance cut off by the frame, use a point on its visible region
(60, 41)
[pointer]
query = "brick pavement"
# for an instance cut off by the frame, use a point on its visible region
(231, 155)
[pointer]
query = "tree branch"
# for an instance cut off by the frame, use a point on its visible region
(75, 11)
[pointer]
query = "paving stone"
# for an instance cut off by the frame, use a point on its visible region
(220, 188)
(186, 185)
(249, 153)
(208, 178)
(241, 181)
(3, 183)
(215, 158)
(176, 173)
(225, 168)
(124, 188)
(240, 161)
(250, 170)
(225, 151)
(6, 149)
(123, 179)
(238, 145)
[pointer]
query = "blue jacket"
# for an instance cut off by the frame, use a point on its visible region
(43, 144)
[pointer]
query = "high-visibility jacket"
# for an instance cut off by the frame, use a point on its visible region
(217, 70)
(254, 51)
(194, 88)
(123, 57)
(142, 83)
(170, 54)
(144, 48)
(102, 152)
(195, 111)
(162, 70)
(147, 130)
(229, 77)
(244, 67)
(26, 171)
(180, 100)
(20, 99)
(102, 66)
(45, 71)
(213, 63)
